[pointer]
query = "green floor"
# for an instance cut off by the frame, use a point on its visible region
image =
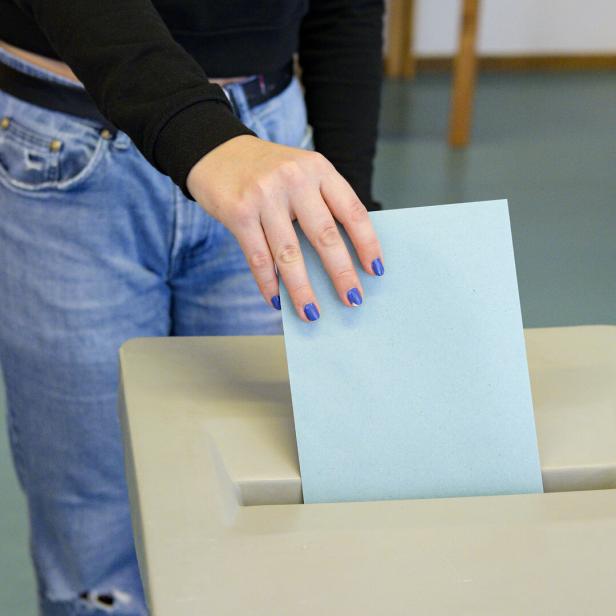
(17, 590)
(546, 142)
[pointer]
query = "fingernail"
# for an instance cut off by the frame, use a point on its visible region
(377, 267)
(312, 312)
(354, 297)
(276, 302)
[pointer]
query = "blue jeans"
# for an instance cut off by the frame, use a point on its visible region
(97, 247)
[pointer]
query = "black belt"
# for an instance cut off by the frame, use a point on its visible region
(264, 86)
(76, 101)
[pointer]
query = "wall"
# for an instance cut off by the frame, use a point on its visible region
(520, 27)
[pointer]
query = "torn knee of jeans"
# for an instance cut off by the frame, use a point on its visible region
(105, 600)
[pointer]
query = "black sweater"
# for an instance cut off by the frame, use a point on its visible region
(145, 63)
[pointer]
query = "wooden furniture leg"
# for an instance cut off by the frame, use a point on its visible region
(465, 69)
(399, 58)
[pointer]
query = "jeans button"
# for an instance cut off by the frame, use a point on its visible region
(5, 122)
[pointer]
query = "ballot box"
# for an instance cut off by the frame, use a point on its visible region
(221, 529)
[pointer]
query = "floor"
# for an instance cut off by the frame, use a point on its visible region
(544, 141)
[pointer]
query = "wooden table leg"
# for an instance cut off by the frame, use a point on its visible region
(399, 58)
(465, 69)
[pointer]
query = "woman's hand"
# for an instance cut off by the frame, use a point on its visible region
(257, 188)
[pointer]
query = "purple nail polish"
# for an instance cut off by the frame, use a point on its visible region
(276, 302)
(354, 297)
(311, 312)
(377, 267)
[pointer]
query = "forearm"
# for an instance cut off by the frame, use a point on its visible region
(140, 78)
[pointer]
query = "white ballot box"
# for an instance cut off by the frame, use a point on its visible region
(221, 530)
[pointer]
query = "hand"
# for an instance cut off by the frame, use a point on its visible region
(257, 188)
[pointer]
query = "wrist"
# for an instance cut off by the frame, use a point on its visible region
(207, 165)
(190, 135)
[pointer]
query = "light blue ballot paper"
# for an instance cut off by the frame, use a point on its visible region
(423, 391)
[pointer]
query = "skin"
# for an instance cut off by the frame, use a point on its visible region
(63, 69)
(55, 66)
(260, 189)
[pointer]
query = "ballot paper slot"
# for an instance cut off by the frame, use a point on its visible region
(573, 381)
(281, 487)
(259, 457)
(249, 422)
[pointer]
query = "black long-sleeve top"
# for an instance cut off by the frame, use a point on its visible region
(146, 65)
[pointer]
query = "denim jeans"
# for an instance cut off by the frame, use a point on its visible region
(96, 247)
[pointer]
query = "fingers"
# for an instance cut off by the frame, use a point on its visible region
(350, 211)
(254, 245)
(284, 246)
(320, 228)
(306, 186)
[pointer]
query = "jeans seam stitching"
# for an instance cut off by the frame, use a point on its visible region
(43, 188)
(174, 234)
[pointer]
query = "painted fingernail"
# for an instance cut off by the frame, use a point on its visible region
(276, 302)
(377, 267)
(311, 312)
(354, 297)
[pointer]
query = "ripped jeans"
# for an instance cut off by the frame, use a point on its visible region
(96, 247)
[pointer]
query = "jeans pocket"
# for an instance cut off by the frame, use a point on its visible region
(36, 159)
